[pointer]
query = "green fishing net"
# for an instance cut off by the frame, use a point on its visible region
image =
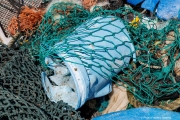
(152, 76)
(21, 93)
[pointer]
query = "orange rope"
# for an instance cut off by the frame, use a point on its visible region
(29, 18)
(88, 3)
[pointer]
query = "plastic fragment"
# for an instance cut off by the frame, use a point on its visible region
(141, 114)
(166, 9)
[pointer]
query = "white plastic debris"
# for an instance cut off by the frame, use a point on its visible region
(64, 88)
(4, 39)
(153, 23)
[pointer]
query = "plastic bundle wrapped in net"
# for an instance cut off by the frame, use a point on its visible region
(152, 77)
(21, 93)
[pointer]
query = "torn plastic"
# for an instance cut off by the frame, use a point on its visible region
(118, 99)
(89, 82)
(4, 39)
(150, 4)
(144, 113)
(154, 23)
(64, 88)
(166, 9)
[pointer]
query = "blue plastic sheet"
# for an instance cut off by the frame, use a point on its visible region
(141, 114)
(134, 2)
(150, 4)
(166, 9)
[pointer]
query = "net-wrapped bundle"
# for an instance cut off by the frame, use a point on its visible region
(152, 76)
(22, 95)
(93, 47)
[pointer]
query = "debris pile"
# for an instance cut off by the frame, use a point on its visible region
(107, 55)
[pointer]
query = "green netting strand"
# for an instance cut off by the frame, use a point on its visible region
(150, 78)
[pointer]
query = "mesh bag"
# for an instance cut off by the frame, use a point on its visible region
(22, 95)
(151, 77)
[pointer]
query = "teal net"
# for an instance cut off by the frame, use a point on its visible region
(153, 75)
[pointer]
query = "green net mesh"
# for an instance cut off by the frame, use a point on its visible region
(21, 93)
(151, 77)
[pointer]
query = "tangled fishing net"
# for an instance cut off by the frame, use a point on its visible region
(152, 77)
(21, 93)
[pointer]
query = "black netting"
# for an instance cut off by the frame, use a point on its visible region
(22, 95)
